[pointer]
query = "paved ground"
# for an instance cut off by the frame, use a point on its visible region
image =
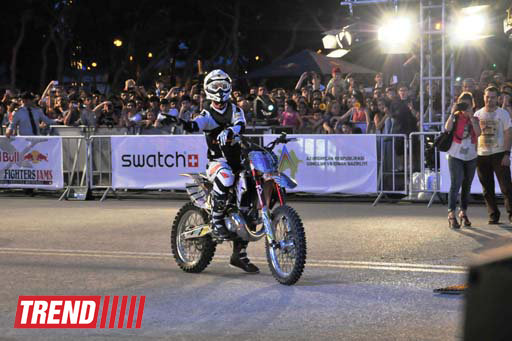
(369, 276)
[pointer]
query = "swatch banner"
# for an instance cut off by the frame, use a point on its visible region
(330, 163)
(31, 162)
(156, 162)
(476, 186)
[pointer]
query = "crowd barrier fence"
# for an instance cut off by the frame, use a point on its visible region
(424, 165)
(87, 162)
(392, 165)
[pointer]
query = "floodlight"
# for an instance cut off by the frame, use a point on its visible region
(470, 24)
(395, 35)
(330, 41)
(338, 53)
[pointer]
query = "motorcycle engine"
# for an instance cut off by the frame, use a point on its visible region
(235, 223)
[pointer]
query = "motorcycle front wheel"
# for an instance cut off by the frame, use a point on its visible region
(286, 259)
(192, 255)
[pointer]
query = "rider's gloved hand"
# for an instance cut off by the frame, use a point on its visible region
(224, 136)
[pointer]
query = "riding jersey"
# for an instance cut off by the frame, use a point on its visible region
(212, 121)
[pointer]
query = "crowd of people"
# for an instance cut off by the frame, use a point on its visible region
(341, 104)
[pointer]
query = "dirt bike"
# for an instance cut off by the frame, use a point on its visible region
(250, 215)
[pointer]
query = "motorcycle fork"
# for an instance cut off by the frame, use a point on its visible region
(267, 221)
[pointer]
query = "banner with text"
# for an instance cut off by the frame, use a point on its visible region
(330, 163)
(156, 162)
(31, 162)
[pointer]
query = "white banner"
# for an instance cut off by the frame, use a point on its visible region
(330, 163)
(31, 162)
(156, 162)
(476, 186)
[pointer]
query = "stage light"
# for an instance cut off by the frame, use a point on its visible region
(395, 35)
(470, 24)
(338, 53)
(330, 42)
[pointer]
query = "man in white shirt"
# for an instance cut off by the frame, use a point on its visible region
(27, 118)
(494, 153)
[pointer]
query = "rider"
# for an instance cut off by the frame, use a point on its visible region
(221, 121)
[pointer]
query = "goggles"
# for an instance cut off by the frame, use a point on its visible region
(219, 85)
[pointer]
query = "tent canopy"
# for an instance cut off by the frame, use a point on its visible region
(304, 61)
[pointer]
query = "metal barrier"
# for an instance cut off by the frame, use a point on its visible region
(75, 152)
(100, 164)
(87, 164)
(423, 170)
(392, 167)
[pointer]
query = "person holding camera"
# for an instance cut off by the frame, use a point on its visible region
(264, 108)
(462, 157)
(72, 115)
(494, 153)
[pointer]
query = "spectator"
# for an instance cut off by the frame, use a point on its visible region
(381, 116)
(379, 81)
(290, 116)
(462, 157)
(469, 85)
(331, 117)
(186, 111)
(336, 85)
(87, 115)
(27, 118)
(105, 114)
(347, 128)
(391, 94)
(164, 116)
(246, 107)
(494, 153)
(129, 116)
(506, 98)
(264, 108)
(159, 86)
(358, 112)
(72, 115)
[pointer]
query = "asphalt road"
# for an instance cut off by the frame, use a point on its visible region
(370, 272)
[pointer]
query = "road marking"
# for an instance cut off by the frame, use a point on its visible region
(340, 264)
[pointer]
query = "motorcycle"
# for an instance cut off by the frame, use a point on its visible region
(250, 215)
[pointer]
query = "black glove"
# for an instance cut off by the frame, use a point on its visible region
(189, 126)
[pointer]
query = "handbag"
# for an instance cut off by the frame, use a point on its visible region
(443, 142)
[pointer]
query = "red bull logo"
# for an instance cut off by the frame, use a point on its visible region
(35, 157)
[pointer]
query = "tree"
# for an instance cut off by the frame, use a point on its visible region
(25, 18)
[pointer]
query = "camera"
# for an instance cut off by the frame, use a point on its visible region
(462, 106)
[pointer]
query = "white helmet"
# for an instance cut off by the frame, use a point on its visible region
(217, 86)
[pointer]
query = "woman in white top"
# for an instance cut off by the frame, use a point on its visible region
(462, 157)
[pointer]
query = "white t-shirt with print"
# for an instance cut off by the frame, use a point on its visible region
(466, 149)
(493, 126)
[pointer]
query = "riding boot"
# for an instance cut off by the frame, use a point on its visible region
(239, 257)
(218, 214)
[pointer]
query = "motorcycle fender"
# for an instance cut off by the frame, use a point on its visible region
(285, 181)
(197, 191)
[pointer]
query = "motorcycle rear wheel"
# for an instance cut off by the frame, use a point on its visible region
(286, 262)
(192, 255)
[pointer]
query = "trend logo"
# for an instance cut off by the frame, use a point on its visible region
(35, 157)
(289, 160)
(78, 312)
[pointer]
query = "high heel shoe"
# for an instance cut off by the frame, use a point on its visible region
(464, 220)
(453, 223)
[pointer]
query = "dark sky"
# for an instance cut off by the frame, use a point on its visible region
(84, 30)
